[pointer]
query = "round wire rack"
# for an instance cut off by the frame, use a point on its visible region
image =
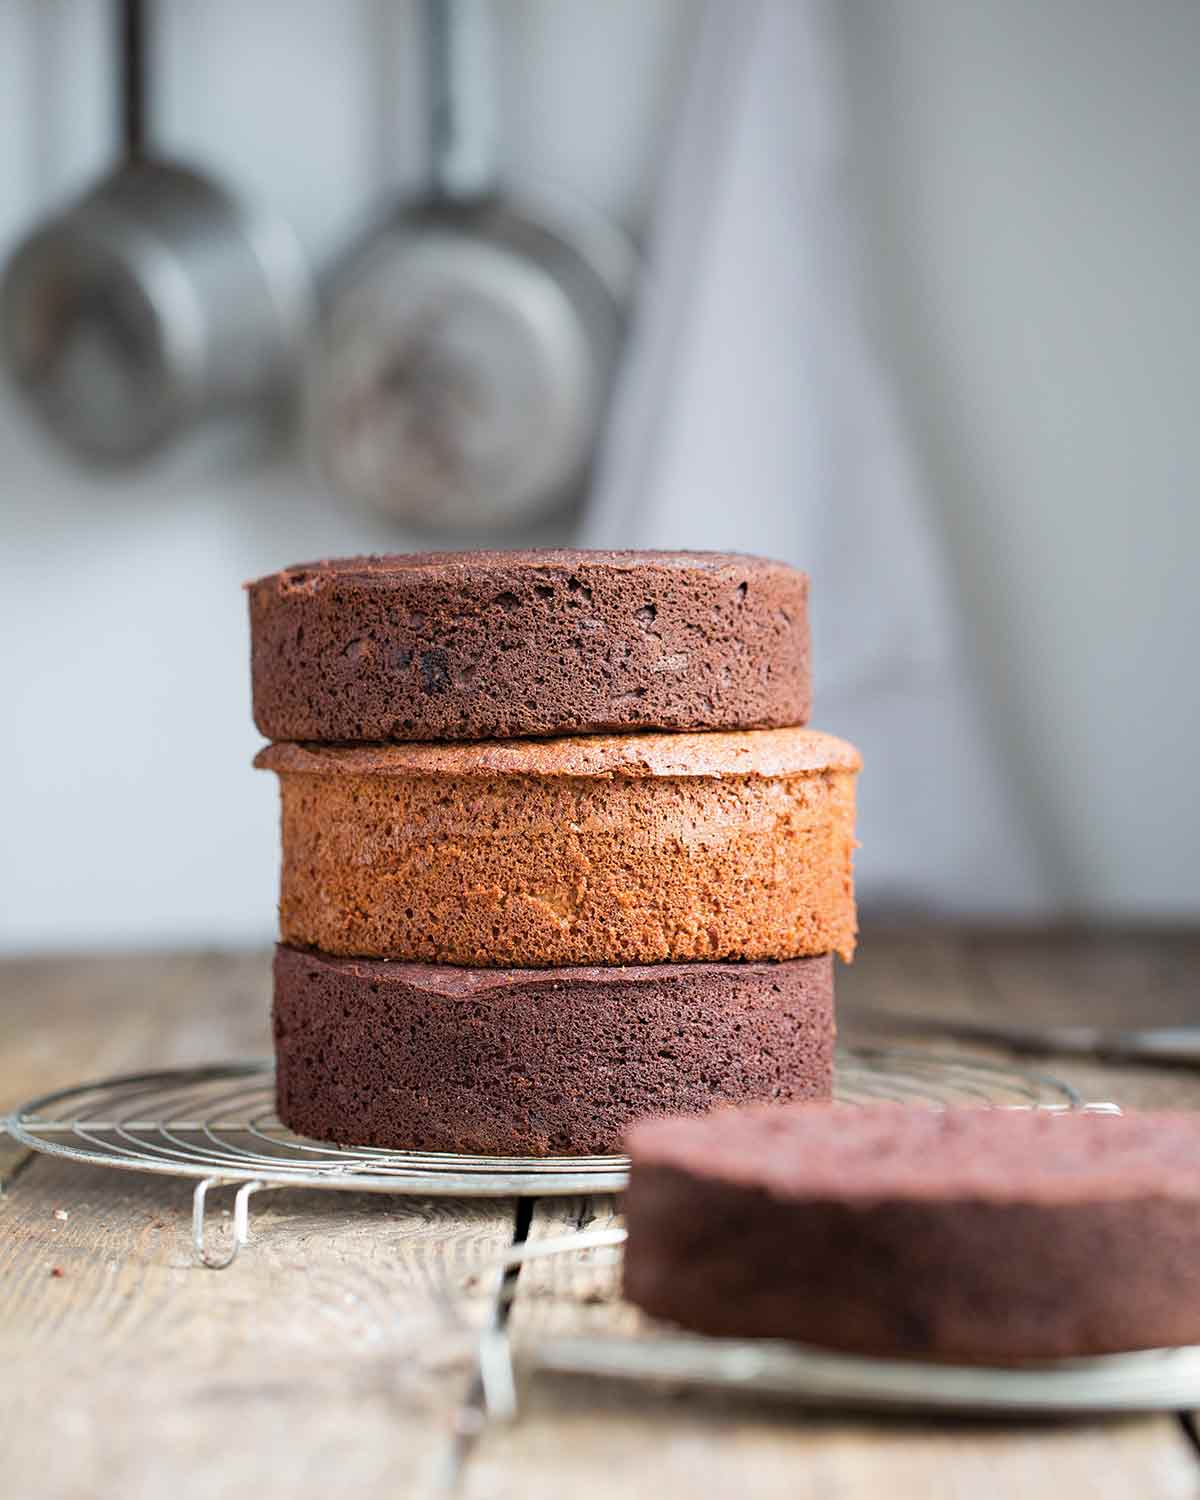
(1147, 1380)
(218, 1124)
(219, 1121)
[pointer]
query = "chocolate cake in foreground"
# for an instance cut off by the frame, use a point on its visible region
(626, 849)
(973, 1235)
(538, 1062)
(499, 645)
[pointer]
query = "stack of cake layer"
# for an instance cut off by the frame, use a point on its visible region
(557, 850)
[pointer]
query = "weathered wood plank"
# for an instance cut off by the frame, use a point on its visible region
(1052, 977)
(323, 1357)
(1108, 979)
(322, 1362)
(576, 1293)
(359, 1265)
(910, 972)
(67, 1020)
(593, 1438)
(1114, 980)
(1039, 978)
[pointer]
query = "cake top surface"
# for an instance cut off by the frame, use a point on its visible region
(480, 566)
(889, 1152)
(735, 755)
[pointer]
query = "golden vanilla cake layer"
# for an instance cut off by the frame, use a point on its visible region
(626, 849)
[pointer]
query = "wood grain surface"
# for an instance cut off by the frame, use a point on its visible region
(324, 1361)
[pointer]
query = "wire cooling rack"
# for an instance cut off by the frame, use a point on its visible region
(1147, 1380)
(218, 1124)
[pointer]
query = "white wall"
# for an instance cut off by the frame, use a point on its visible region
(1027, 175)
(130, 813)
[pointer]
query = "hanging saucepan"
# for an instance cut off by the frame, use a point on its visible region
(468, 347)
(156, 306)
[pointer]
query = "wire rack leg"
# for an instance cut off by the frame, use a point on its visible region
(496, 1376)
(241, 1222)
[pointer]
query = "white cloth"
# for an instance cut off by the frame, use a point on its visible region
(752, 417)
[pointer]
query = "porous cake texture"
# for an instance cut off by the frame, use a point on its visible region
(630, 849)
(973, 1235)
(537, 1062)
(495, 645)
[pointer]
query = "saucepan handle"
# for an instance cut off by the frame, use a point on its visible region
(461, 114)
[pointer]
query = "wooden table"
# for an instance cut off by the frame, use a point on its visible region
(322, 1364)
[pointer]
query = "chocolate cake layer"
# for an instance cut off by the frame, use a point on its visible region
(974, 1235)
(604, 850)
(538, 1062)
(496, 645)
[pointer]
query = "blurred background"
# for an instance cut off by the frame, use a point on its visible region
(905, 294)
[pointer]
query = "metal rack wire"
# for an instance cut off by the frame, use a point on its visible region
(1147, 1380)
(218, 1124)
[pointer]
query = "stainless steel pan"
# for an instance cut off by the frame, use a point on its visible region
(468, 345)
(157, 307)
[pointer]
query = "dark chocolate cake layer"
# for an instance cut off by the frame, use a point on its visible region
(497, 645)
(538, 1062)
(973, 1235)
